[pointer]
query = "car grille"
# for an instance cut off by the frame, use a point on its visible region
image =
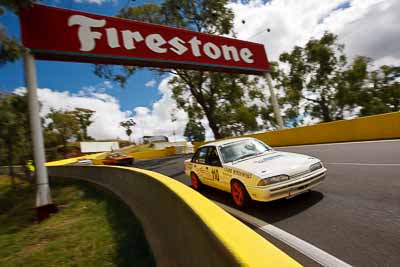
(299, 174)
(319, 176)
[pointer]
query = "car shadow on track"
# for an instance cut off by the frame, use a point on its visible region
(273, 211)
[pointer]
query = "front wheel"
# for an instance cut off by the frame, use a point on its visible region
(196, 184)
(239, 194)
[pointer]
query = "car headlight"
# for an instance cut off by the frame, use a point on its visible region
(315, 166)
(273, 180)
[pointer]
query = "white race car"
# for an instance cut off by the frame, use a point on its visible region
(251, 170)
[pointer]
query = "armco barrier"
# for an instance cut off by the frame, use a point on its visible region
(377, 127)
(183, 227)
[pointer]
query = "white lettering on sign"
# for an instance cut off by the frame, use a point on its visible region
(230, 52)
(246, 55)
(195, 44)
(212, 51)
(85, 35)
(155, 42)
(130, 38)
(178, 45)
(112, 37)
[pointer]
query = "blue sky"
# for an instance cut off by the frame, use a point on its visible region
(72, 77)
(368, 28)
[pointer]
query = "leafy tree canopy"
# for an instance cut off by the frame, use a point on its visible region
(10, 47)
(318, 77)
(195, 131)
(64, 126)
(221, 98)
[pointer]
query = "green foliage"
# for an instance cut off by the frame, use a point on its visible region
(84, 118)
(221, 98)
(63, 126)
(92, 228)
(14, 130)
(195, 131)
(128, 125)
(382, 93)
(330, 88)
(318, 73)
(14, 5)
(10, 48)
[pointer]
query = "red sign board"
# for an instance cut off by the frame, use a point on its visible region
(69, 35)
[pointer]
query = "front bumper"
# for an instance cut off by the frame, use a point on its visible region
(289, 188)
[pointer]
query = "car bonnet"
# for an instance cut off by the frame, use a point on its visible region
(275, 163)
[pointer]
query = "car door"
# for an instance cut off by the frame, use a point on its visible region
(215, 167)
(200, 167)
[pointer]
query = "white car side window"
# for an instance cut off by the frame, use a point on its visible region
(200, 156)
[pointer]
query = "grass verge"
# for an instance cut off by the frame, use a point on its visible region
(92, 228)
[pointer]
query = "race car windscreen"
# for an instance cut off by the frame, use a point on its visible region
(242, 149)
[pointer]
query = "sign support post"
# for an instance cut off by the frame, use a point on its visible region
(274, 101)
(44, 204)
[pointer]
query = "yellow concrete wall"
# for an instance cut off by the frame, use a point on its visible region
(93, 157)
(151, 154)
(183, 227)
(384, 126)
(377, 127)
(98, 157)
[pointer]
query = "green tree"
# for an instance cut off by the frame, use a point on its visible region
(10, 47)
(64, 125)
(84, 118)
(128, 125)
(221, 98)
(195, 131)
(382, 91)
(319, 76)
(14, 131)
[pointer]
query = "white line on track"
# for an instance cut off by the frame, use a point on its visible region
(318, 255)
(363, 164)
(343, 143)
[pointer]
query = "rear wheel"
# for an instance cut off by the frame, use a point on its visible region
(196, 184)
(239, 194)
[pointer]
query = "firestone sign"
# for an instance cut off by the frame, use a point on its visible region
(69, 35)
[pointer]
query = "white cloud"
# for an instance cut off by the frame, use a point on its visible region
(151, 83)
(366, 27)
(157, 120)
(106, 118)
(108, 115)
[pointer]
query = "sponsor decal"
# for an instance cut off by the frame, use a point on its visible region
(242, 174)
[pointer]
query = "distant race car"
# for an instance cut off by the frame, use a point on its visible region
(84, 162)
(251, 170)
(118, 158)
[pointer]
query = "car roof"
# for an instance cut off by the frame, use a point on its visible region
(227, 141)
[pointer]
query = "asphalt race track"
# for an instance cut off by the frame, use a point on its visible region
(354, 215)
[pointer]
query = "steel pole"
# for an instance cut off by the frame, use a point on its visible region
(274, 101)
(43, 197)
